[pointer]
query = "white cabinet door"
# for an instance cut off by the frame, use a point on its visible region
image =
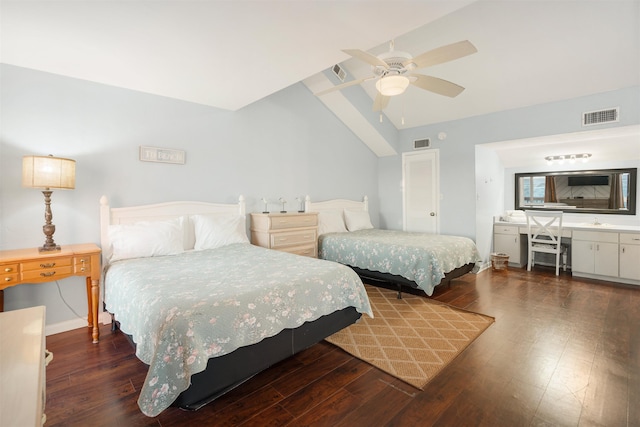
(630, 256)
(595, 253)
(630, 261)
(508, 244)
(582, 256)
(606, 259)
(507, 240)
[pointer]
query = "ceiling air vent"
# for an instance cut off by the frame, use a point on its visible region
(419, 144)
(339, 71)
(599, 117)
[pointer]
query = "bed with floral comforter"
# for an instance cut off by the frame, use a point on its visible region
(183, 309)
(418, 257)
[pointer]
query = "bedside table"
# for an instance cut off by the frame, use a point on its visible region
(32, 266)
(293, 232)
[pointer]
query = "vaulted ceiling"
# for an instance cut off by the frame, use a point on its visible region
(228, 54)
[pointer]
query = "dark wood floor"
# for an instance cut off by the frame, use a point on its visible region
(562, 352)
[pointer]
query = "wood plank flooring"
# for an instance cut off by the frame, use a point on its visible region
(562, 352)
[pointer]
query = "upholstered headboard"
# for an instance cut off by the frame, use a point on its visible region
(160, 212)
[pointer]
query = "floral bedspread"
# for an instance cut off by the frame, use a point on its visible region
(421, 257)
(183, 309)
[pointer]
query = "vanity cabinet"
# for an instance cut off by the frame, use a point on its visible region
(629, 256)
(507, 240)
(594, 253)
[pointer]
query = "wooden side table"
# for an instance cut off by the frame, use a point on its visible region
(293, 232)
(21, 266)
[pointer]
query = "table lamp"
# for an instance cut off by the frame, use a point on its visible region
(48, 172)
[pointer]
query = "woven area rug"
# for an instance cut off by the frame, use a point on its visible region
(412, 338)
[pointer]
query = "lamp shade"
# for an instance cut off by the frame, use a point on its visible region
(392, 85)
(48, 172)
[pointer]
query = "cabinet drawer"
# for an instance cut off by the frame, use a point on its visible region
(307, 250)
(82, 265)
(630, 238)
(505, 229)
(9, 269)
(293, 238)
(9, 273)
(293, 221)
(596, 236)
(47, 273)
(52, 263)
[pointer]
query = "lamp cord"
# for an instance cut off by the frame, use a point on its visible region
(67, 304)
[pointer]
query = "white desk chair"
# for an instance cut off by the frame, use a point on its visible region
(544, 229)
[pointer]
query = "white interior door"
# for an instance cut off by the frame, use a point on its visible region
(421, 191)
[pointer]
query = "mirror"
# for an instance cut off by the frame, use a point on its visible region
(605, 191)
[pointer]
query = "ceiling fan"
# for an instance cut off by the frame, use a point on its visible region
(393, 71)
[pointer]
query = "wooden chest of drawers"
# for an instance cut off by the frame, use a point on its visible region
(293, 232)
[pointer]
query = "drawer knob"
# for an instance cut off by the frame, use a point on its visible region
(48, 274)
(49, 265)
(8, 269)
(8, 279)
(82, 269)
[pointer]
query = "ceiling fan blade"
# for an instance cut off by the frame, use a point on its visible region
(366, 57)
(381, 102)
(436, 85)
(343, 85)
(442, 54)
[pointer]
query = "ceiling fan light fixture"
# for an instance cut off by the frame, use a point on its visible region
(392, 85)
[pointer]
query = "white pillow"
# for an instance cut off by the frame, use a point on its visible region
(214, 231)
(146, 239)
(330, 222)
(357, 220)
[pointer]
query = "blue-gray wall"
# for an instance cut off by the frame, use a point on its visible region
(286, 145)
(458, 162)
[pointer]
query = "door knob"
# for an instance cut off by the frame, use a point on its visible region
(432, 214)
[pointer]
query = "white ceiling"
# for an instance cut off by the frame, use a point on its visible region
(229, 54)
(226, 54)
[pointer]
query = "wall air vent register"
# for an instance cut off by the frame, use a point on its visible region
(610, 115)
(339, 71)
(420, 144)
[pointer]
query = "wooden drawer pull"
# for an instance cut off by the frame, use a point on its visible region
(48, 274)
(50, 265)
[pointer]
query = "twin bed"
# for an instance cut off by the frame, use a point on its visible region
(207, 310)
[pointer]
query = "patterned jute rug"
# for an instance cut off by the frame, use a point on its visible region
(412, 338)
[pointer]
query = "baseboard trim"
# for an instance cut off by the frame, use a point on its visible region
(69, 325)
(481, 267)
(65, 326)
